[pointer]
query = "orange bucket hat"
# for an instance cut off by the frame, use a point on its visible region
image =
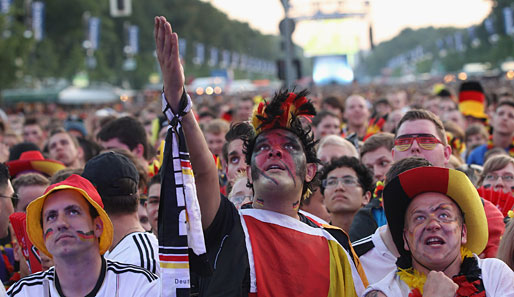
(88, 191)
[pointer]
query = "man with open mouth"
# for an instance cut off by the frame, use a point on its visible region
(439, 228)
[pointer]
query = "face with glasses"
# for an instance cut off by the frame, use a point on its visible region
(420, 138)
(343, 192)
(500, 180)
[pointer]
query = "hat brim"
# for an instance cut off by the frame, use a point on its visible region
(400, 192)
(35, 230)
(48, 167)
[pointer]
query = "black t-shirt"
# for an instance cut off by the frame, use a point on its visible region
(226, 251)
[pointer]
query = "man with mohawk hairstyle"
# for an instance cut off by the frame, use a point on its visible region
(270, 249)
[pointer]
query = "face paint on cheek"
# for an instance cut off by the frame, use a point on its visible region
(296, 205)
(259, 202)
(257, 171)
(48, 232)
(86, 236)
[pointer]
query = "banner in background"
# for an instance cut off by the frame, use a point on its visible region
(94, 32)
(38, 20)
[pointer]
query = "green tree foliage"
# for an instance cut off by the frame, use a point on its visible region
(62, 55)
(495, 53)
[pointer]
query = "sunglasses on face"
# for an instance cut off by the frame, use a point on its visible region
(425, 141)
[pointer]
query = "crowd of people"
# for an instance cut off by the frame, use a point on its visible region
(336, 191)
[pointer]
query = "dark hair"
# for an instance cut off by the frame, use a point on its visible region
(128, 130)
(506, 102)
(363, 173)
(63, 174)
(334, 102)
(241, 130)
(321, 115)
(4, 175)
(90, 148)
(156, 179)
(475, 129)
(31, 121)
(304, 134)
(404, 165)
(420, 114)
(376, 141)
(16, 150)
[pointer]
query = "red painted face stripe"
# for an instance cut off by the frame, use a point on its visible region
(471, 96)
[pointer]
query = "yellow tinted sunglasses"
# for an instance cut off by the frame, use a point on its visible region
(425, 141)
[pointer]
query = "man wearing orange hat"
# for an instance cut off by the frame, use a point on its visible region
(68, 223)
(439, 227)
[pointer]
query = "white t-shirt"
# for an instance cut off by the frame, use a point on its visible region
(378, 261)
(497, 277)
(138, 248)
(117, 279)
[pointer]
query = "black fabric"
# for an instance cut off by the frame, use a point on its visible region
(362, 248)
(227, 256)
(105, 170)
(364, 224)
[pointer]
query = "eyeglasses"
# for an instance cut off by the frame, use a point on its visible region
(14, 196)
(493, 177)
(334, 181)
(425, 141)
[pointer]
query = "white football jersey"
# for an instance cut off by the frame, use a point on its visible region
(116, 279)
(138, 248)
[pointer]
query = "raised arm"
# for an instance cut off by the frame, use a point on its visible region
(204, 168)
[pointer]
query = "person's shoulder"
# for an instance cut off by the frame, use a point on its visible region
(476, 154)
(131, 271)
(493, 265)
(31, 281)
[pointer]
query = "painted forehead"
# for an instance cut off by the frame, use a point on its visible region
(432, 202)
(277, 134)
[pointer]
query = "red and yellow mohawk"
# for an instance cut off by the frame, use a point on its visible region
(283, 109)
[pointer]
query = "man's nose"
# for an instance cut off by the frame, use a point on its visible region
(415, 147)
(275, 152)
(433, 223)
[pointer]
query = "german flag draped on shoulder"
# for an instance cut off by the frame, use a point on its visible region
(179, 227)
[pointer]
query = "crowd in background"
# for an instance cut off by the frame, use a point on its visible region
(355, 126)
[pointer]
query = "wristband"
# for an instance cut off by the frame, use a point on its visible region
(185, 106)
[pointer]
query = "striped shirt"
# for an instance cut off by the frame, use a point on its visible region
(116, 279)
(138, 248)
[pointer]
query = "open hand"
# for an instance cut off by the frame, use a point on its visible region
(166, 42)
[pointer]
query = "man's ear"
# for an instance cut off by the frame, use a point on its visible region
(99, 226)
(310, 171)
(366, 198)
(447, 154)
(139, 150)
(405, 243)
(464, 234)
(249, 173)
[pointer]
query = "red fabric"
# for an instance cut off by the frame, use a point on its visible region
(415, 293)
(467, 288)
(471, 96)
(431, 179)
(79, 182)
(496, 227)
(279, 255)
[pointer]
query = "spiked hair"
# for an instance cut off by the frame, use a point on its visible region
(285, 111)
